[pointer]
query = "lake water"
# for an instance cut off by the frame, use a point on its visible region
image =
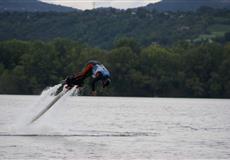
(115, 128)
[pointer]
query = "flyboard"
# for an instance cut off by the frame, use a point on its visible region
(42, 112)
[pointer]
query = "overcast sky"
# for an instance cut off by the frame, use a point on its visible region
(89, 4)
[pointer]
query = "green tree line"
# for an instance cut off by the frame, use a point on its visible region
(99, 28)
(182, 70)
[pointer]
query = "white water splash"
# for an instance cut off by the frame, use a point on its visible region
(44, 123)
(73, 92)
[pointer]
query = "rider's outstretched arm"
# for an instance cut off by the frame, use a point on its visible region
(85, 71)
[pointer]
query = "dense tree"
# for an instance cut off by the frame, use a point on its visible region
(99, 28)
(184, 70)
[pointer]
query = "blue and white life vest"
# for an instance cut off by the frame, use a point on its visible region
(100, 68)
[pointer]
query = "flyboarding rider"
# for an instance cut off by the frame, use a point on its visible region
(93, 69)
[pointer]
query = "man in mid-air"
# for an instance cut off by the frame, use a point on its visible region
(93, 69)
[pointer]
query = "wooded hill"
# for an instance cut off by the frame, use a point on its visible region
(31, 6)
(188, 5)
(101, 27)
